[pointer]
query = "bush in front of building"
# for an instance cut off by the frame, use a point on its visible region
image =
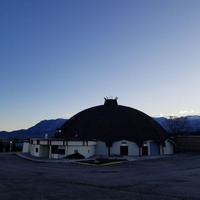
(75, 156)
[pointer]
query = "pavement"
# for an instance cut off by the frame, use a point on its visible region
(175, 177)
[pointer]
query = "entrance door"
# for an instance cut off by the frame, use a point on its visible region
(145, 150)
(124, 150)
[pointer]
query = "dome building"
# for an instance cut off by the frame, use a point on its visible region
(110, 129)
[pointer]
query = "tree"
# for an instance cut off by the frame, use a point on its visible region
(176, 125)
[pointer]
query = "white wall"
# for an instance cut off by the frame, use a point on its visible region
(57, 142)
(44, 151)
(101, 148)
(92, 142)
(33, 148)
(91, 148)
(26, 147)
(81, 143)
(57, 156)
(43, 142)
(87, 149)
(168, 149)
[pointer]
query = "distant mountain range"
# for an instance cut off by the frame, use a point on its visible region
(38, 131)
(193, 123)
(49, 127)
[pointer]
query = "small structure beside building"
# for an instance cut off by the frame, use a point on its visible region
(188, 143)
(105, 130)
(58, 148)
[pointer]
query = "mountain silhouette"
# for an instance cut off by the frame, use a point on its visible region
(38, 131)
(49, 127)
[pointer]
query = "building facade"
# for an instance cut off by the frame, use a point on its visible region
(56, 149)
(105, 130)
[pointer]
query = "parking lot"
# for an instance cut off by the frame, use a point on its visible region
(170, 178)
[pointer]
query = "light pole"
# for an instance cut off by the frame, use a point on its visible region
(10, 146)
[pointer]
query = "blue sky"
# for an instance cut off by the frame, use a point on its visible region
(60, 57)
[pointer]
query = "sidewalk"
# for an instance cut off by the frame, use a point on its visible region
(65, 160)
(48, 160)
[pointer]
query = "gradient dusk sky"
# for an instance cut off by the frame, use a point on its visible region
(58, 57)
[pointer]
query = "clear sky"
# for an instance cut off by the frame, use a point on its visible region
(58, 57)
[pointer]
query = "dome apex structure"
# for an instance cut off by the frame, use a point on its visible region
(110, 101)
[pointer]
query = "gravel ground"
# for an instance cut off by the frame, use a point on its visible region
(171, 178)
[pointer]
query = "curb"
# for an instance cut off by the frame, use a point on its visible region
(99, 165)
(30, 159)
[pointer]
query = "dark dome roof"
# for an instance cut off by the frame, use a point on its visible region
(112, 122)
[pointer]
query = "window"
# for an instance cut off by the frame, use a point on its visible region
(36, 150)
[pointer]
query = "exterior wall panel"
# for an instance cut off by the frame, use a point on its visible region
(43, 142)
(56, 142)
(36, 150)
(26, 147)
(101, 149)
(44, 151)
(188, 143)
(168, 149)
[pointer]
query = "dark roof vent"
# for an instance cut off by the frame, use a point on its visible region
(110, 101)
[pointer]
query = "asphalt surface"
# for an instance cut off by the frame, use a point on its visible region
(171, 178)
